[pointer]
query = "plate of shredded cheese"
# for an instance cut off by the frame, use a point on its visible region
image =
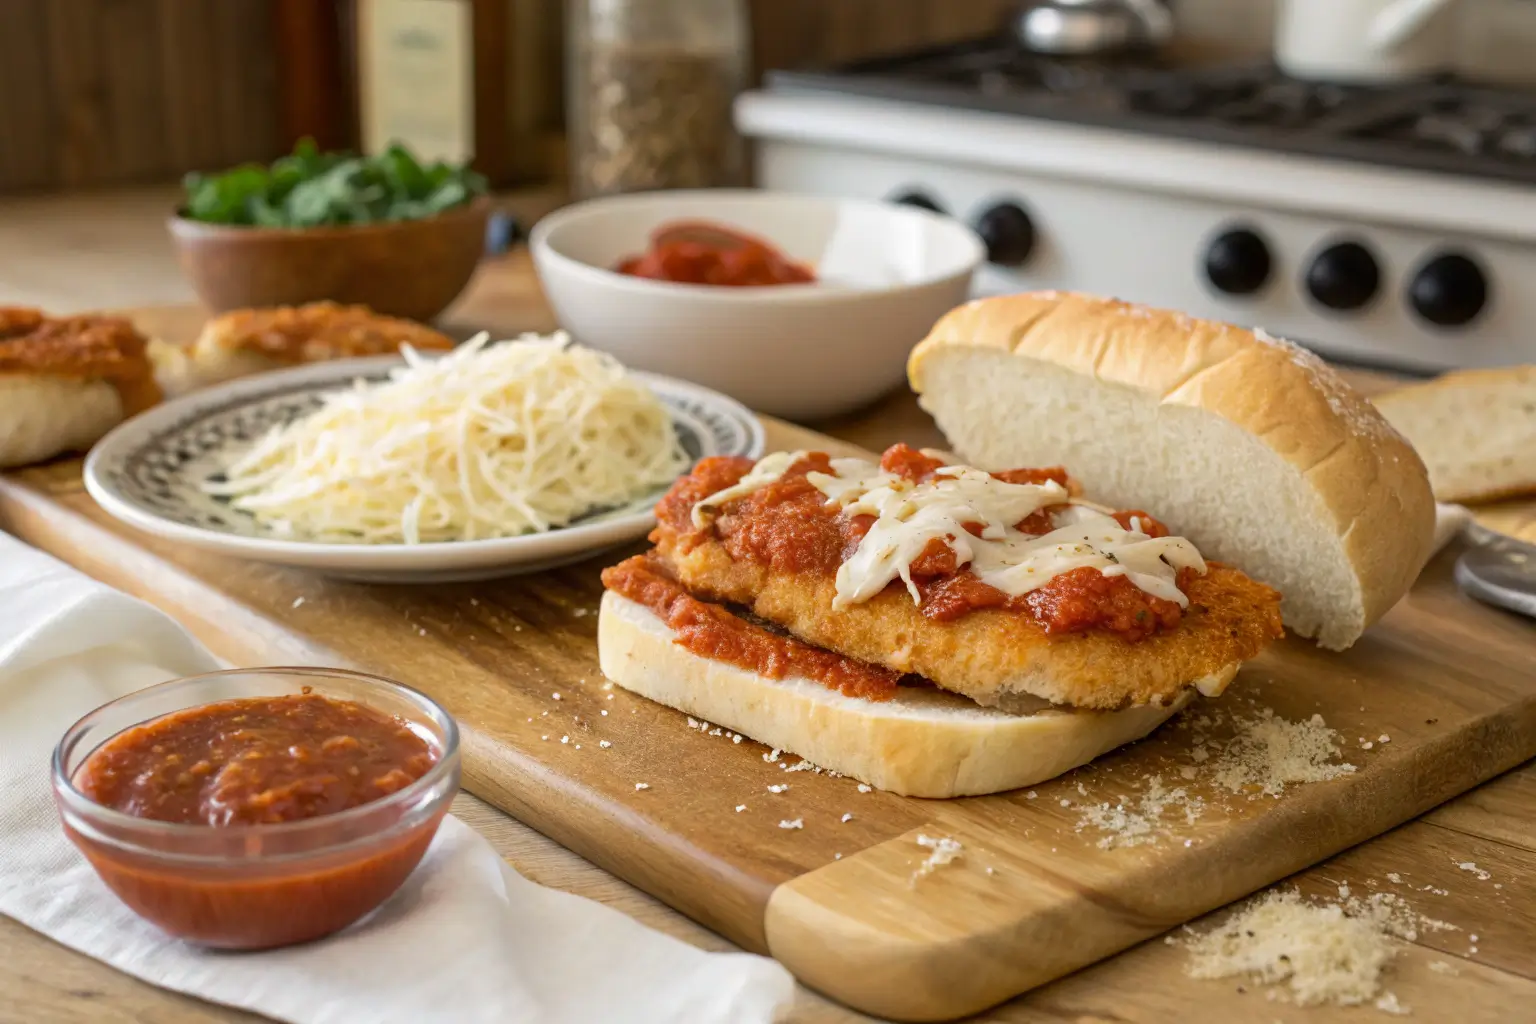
(493, 459)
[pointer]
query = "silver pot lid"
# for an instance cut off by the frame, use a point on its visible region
(1085, 27)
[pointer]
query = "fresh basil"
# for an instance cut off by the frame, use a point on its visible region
(309, 188)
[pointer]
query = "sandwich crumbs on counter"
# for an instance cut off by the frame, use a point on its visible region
(1310, 952)
(944, 851)
(1257, 754)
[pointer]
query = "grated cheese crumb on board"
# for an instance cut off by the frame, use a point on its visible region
(1472, 869)
(642, 785)
(1269, 753)
(945, 851)
(1317, 952)
(1312, 952)
(797, 823)
(297, 602)
(779, 788)
(864, 789)
(1139, 823)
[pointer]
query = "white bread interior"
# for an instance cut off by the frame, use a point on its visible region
(1475, 430)
(924, 742)
(1249, 446)
(42, 416)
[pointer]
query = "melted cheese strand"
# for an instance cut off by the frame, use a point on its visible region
(486, 441)
(909, 516)
(768, 469)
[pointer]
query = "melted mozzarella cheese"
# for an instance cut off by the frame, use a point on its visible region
(768, 469)
(908, 517)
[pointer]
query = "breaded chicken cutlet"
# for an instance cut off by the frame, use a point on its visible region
(66, 381)
(1003, 588)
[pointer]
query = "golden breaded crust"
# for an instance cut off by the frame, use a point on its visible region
(87, 347)
(988, 655)
(316, 332)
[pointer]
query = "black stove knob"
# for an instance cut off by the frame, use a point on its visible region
(1237, 261)
(917, 197)
(1007, 232)
(1449, 290)
(1344, 276)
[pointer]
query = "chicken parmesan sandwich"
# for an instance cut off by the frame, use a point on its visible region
(945, 625)
(923, 626)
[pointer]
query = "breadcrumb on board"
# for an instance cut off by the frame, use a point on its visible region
(1310, 952)
(1263, 756)
(1269, 753)
(1139, 821)
(944, 851)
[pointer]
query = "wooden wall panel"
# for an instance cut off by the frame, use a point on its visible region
(246, 80)
(190, 64)
(97, 92)
(794, 33)
(28, 157)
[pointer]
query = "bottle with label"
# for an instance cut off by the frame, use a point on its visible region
(433, 75)
(649, 89)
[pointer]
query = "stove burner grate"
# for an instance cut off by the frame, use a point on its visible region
(1440, 125)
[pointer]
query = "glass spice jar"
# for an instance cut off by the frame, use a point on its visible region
(649, 91)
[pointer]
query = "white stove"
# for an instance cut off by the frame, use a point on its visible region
(1392, 227)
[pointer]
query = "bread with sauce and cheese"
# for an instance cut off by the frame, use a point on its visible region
(1248, 445)
(925, 627)
(66, 381)
(924, 742)
(248, 341)
(1475, 429)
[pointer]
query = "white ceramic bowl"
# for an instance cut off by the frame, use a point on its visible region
(885, 274)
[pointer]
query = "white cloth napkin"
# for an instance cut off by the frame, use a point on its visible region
(466, 940)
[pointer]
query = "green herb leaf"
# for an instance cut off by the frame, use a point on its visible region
(309, 188)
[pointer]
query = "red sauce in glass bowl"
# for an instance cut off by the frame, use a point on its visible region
(260, 761)
(697, 252)
(259, 822)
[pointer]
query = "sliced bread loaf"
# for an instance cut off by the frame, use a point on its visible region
(1475, 430)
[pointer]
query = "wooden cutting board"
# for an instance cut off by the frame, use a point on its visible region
(1033, 896)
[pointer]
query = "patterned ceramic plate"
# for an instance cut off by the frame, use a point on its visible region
(149, 474)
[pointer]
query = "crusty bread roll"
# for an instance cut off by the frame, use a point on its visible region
(41, 417)
(1249, 446)
(248, 341)
(924, 742)
(1475, 430)
(66, 381)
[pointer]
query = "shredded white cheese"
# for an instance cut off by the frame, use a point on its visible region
(909, 516)
(486, 441)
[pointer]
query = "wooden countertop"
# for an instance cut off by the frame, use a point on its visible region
(73, 253)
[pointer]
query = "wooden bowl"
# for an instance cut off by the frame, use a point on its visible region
(412, 268)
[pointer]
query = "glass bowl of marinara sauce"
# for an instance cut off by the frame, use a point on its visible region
(257, 808)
